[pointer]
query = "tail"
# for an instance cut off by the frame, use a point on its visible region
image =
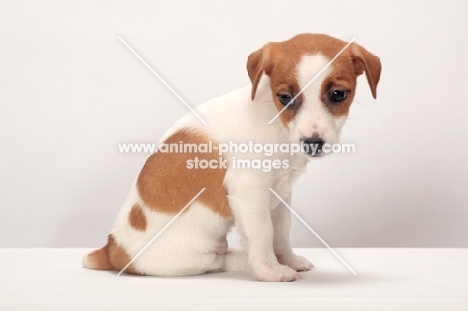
(110, 257)
(98, 259)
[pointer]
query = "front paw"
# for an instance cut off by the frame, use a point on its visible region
(298, 263)
(275, 273)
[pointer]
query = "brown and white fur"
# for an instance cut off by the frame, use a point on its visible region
(196, 242)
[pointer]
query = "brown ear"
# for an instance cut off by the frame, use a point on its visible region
(364, 61)
(256, 65)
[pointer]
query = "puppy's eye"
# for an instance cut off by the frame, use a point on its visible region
(285, 99)
(338, 96)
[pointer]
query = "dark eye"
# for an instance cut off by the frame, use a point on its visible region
(337, 96)
(285, 99)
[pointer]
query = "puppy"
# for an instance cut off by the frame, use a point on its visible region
(239, 195)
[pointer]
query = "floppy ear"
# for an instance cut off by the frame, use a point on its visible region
(363, 61)
(256, 64)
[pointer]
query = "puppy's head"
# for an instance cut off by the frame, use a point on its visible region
(318, 113)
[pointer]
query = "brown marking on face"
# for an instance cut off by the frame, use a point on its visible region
(341, 78)
(279, 61)
(137, 218)
(166, 185)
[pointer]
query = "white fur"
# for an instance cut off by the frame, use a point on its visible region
(313, 116)
(189, 245)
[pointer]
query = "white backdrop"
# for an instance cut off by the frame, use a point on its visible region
(71, 91)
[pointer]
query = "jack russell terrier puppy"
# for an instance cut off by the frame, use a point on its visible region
(196, 241)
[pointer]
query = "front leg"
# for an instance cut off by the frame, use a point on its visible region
(253, 219)
(281, 219)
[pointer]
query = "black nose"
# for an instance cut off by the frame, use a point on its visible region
(313, 146)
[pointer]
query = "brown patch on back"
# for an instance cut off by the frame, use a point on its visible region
(137, 218)
(110, 257)
(166, 185)
(279, 61)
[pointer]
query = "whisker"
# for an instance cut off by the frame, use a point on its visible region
(274, 123)
(354, 101)
(279, 132)
(346, 123)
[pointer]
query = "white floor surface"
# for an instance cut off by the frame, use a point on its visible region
(388, 279)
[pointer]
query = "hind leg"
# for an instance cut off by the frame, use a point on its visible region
(234, 260)
(182, 264)
(231, 261)
(200, 263)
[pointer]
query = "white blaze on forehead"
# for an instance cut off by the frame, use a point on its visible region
(308, 67)
(313, 116)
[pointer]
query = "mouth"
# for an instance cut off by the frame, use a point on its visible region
(313, 148)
